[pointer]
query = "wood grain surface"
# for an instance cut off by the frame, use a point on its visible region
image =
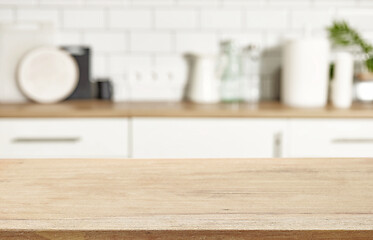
(95, 108)
(186, 199)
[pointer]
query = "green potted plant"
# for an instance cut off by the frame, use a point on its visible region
(342, 34)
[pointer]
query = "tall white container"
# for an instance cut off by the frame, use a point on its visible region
(341, 91)
(15, 41)
(305, 72)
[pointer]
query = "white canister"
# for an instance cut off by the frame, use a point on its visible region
(305, 72)
(341, 91)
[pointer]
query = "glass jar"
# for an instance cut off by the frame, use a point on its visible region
(230, 72)
(250, 90)
(363, 66)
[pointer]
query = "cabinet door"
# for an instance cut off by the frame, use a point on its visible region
(63, 138)
(331, 138)
(206, 138)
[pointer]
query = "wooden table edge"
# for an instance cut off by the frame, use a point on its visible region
(189, 234)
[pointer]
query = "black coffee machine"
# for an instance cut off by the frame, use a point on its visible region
(82, 55)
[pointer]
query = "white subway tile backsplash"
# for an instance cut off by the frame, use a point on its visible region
(106, 41)
(244, 3)
(99, 66)
(335, 3)
(61, 2)
(84, 19)
(267, 19)
(290, 3)
(121, 63)
(153, 2)
(272, 40)
(368, 36)
(357, 17)
(276, 38)
(130, 19)
(150, 42)
(69, 38)
(110, 3)
(121, 88)
(365, 3)
(18, 2)
(221, 19)
(6, 15)
(198, 2)
(38, 15)
(320, 33)
(176, 62)
(176, 19)
(302, 19)
(189, 42)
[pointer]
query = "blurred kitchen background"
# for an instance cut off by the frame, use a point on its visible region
(129, 36)
(245, 52)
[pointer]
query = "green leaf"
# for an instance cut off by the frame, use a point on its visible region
(369, 64)
(341, 34)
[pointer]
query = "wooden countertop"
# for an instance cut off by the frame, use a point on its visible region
(95, 108)
(186, 199)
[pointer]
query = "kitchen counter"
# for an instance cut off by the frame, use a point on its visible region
(186, 199)
(95, 108)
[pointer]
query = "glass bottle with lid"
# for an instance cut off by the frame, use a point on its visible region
(230, 72)
(250, 89)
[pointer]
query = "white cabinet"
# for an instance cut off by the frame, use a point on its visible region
(331, 138)
(63, 138)
(184, 138)
(207, 137)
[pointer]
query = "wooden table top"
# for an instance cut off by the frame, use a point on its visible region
(95, 108)
(226, 195)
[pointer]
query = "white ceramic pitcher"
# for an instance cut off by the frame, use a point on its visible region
(203, 79)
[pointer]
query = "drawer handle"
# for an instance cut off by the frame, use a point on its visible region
(46, 140)
(352, 140)
(277, 145)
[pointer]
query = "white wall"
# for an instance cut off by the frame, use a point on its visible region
(148, 33)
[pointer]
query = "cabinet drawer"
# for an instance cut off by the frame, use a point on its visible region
(63, 138)
(207, 138)
(331, 138)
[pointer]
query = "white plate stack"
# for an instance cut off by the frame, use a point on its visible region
(48, 75)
